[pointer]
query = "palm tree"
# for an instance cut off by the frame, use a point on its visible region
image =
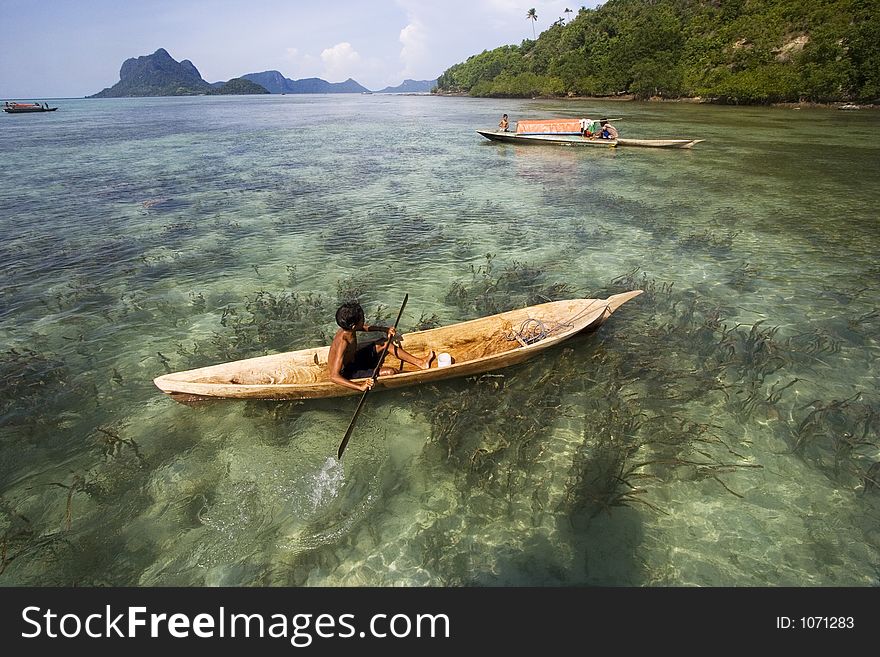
(567, 11)
(532, 16)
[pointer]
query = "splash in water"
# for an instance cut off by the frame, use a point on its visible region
(327, 483)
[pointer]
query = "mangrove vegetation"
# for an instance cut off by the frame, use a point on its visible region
(735, 51)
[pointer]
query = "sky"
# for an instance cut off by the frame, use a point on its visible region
(75, 48)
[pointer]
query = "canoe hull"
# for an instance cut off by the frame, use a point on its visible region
(659, 143)
(28, 110)
(477, 346)
(558, 140)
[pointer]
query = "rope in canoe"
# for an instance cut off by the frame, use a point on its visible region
(534, 330)
(529, 332)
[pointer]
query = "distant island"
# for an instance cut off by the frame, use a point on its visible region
(276, 83)
(411, 87)
(755, 52)
(160, 74)
(239, 87)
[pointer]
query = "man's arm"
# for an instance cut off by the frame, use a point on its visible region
(334, 366)
(371, 328)
(338, 379)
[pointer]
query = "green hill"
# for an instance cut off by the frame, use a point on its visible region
(731, 51)
(158, 74)
(241, 87)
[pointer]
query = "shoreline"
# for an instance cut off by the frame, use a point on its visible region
(695, 100)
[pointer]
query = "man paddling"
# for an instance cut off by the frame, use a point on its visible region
(346, 361)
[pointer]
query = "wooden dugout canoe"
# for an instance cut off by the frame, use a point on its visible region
(476, 346)
(549, 138)
(577, 140)
(659, 143)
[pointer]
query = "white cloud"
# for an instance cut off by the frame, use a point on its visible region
(416, 52)
(340, 61)
(431, 37)
(438, 35)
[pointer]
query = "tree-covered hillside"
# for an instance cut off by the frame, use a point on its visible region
(239, 87)
(736, 51)
(158, 74)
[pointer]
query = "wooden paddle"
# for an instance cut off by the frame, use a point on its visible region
(360, 405)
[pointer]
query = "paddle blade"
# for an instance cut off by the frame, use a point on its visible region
(343, 445)
(350, 429)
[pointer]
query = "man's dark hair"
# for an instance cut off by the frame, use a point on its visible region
(349, 315)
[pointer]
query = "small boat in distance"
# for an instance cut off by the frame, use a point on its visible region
(473, 347)
(575, 132)
(26, 108)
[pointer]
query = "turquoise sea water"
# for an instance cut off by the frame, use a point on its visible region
(719, 430)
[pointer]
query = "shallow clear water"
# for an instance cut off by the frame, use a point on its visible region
(719, 430)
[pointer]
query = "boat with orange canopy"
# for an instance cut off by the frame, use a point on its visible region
(26, 108)
(574, 132)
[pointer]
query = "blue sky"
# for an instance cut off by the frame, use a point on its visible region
(68, 49)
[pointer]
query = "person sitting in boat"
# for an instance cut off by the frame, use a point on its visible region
(607, 130)
(503, 124)
(589, 128)
(346, 361)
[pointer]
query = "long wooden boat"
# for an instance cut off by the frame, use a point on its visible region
(578, 140)
(476, 346)
(549, 138)
(26, 108)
